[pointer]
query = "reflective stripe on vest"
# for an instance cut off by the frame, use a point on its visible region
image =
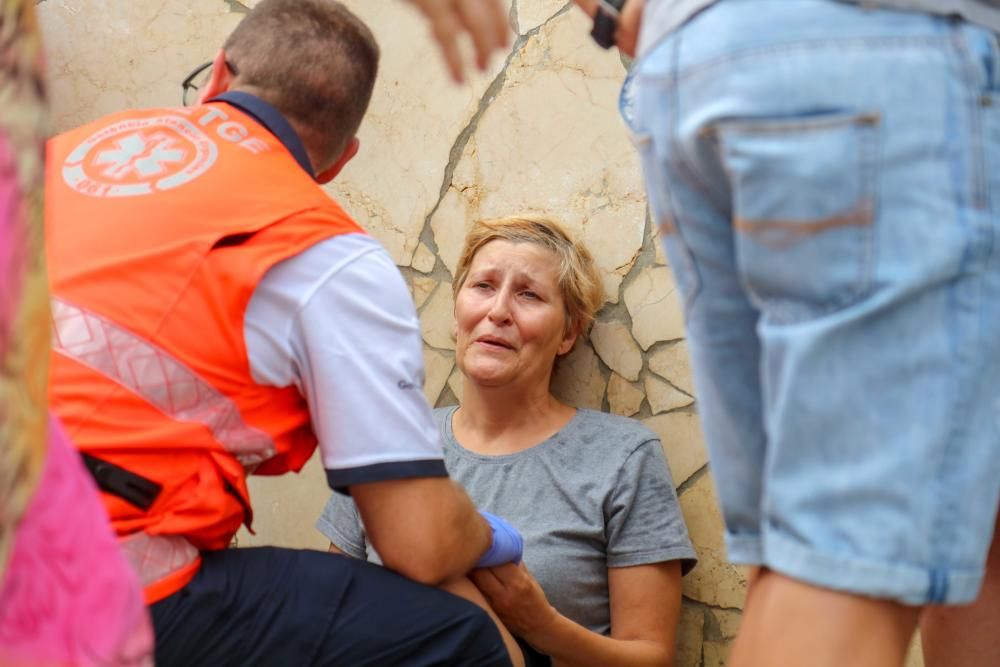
(153, 374)
(155, 557)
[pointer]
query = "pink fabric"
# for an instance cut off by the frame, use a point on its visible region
(68, 597)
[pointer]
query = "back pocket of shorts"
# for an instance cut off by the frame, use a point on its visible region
(804, 203)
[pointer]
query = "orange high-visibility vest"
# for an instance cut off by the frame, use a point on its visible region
(159, 225)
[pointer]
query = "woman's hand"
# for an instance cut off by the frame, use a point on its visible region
(517, 599)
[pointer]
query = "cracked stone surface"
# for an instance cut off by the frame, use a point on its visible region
(655, 309)
(437, 321)
(690, 636)
(671, 363)
(568, 158)
(394, 182)
(421, 288)
(578, 380)
(663, 397)
(624, 398)
(680, 435)
(424, 259)
(533, 13)
(437, 367)
(616, 348)
(537, 133)
(714, 581)
(455, 383)
(727, 621)
(716, 654)
(131, 54)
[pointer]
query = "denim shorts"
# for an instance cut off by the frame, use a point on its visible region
(826, 181)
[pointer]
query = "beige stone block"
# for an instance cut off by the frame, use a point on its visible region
(682, 442)
(663, 397)
(456, 382)
(569, 159)
(716, 653)
(454, 215)
(116, 54)
(286, 508)
(415, 116)
(533, 13)
(623, 396)
(690, 637)
(714, 581)
(421, 288)
(673, 363)
(728, 622)
(655, 309)
(437, 320)
(423, 259)
(615, 347)
(437, 369)
(578, 380)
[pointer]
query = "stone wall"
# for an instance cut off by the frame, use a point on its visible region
(538, 133)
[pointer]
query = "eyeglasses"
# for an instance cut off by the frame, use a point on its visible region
(197, 80)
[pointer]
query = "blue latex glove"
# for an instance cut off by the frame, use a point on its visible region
(507, 547)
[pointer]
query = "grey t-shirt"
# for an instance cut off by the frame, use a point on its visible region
(661, 17)
(595, 495)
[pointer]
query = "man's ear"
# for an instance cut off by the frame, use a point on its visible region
(220, 80)
(331, 172)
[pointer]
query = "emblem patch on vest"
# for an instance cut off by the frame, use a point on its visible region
(139, 156)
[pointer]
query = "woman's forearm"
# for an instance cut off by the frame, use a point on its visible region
(570, 644)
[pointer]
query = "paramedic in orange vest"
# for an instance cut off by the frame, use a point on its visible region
(217, 314)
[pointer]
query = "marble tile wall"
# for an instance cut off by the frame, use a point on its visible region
(539, 132)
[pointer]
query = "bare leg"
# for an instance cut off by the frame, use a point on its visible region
(788, 623)
(967, 636)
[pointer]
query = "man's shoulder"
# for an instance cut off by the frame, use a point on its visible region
(356, 253)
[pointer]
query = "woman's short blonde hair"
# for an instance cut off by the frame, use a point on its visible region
(579, 281)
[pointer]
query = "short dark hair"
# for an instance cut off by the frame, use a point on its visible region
(313, 60)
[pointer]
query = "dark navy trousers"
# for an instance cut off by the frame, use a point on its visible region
(292, 608)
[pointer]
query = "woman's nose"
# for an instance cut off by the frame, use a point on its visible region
(500, 307)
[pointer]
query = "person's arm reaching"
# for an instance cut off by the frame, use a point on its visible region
(484, 20)
(425, 528)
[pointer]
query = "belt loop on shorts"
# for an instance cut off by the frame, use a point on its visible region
(156, 557)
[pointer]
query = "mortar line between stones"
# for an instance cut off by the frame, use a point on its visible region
(462, 140)
(692, 479)
(237, 7)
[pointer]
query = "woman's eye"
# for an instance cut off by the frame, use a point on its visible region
(529, 294)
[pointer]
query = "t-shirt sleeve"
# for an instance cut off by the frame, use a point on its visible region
(341, 524)
(338, 322)
(643, 519)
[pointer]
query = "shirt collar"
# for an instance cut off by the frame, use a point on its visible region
(271, 118)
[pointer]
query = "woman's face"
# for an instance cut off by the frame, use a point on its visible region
(509, 316)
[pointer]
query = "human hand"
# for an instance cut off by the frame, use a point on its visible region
(629, 22)
(484, 20)
(507, 546)
(517, 599)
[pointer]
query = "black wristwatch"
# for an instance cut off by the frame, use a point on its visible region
(606, 22)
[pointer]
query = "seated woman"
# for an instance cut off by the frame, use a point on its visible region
(605, 543)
